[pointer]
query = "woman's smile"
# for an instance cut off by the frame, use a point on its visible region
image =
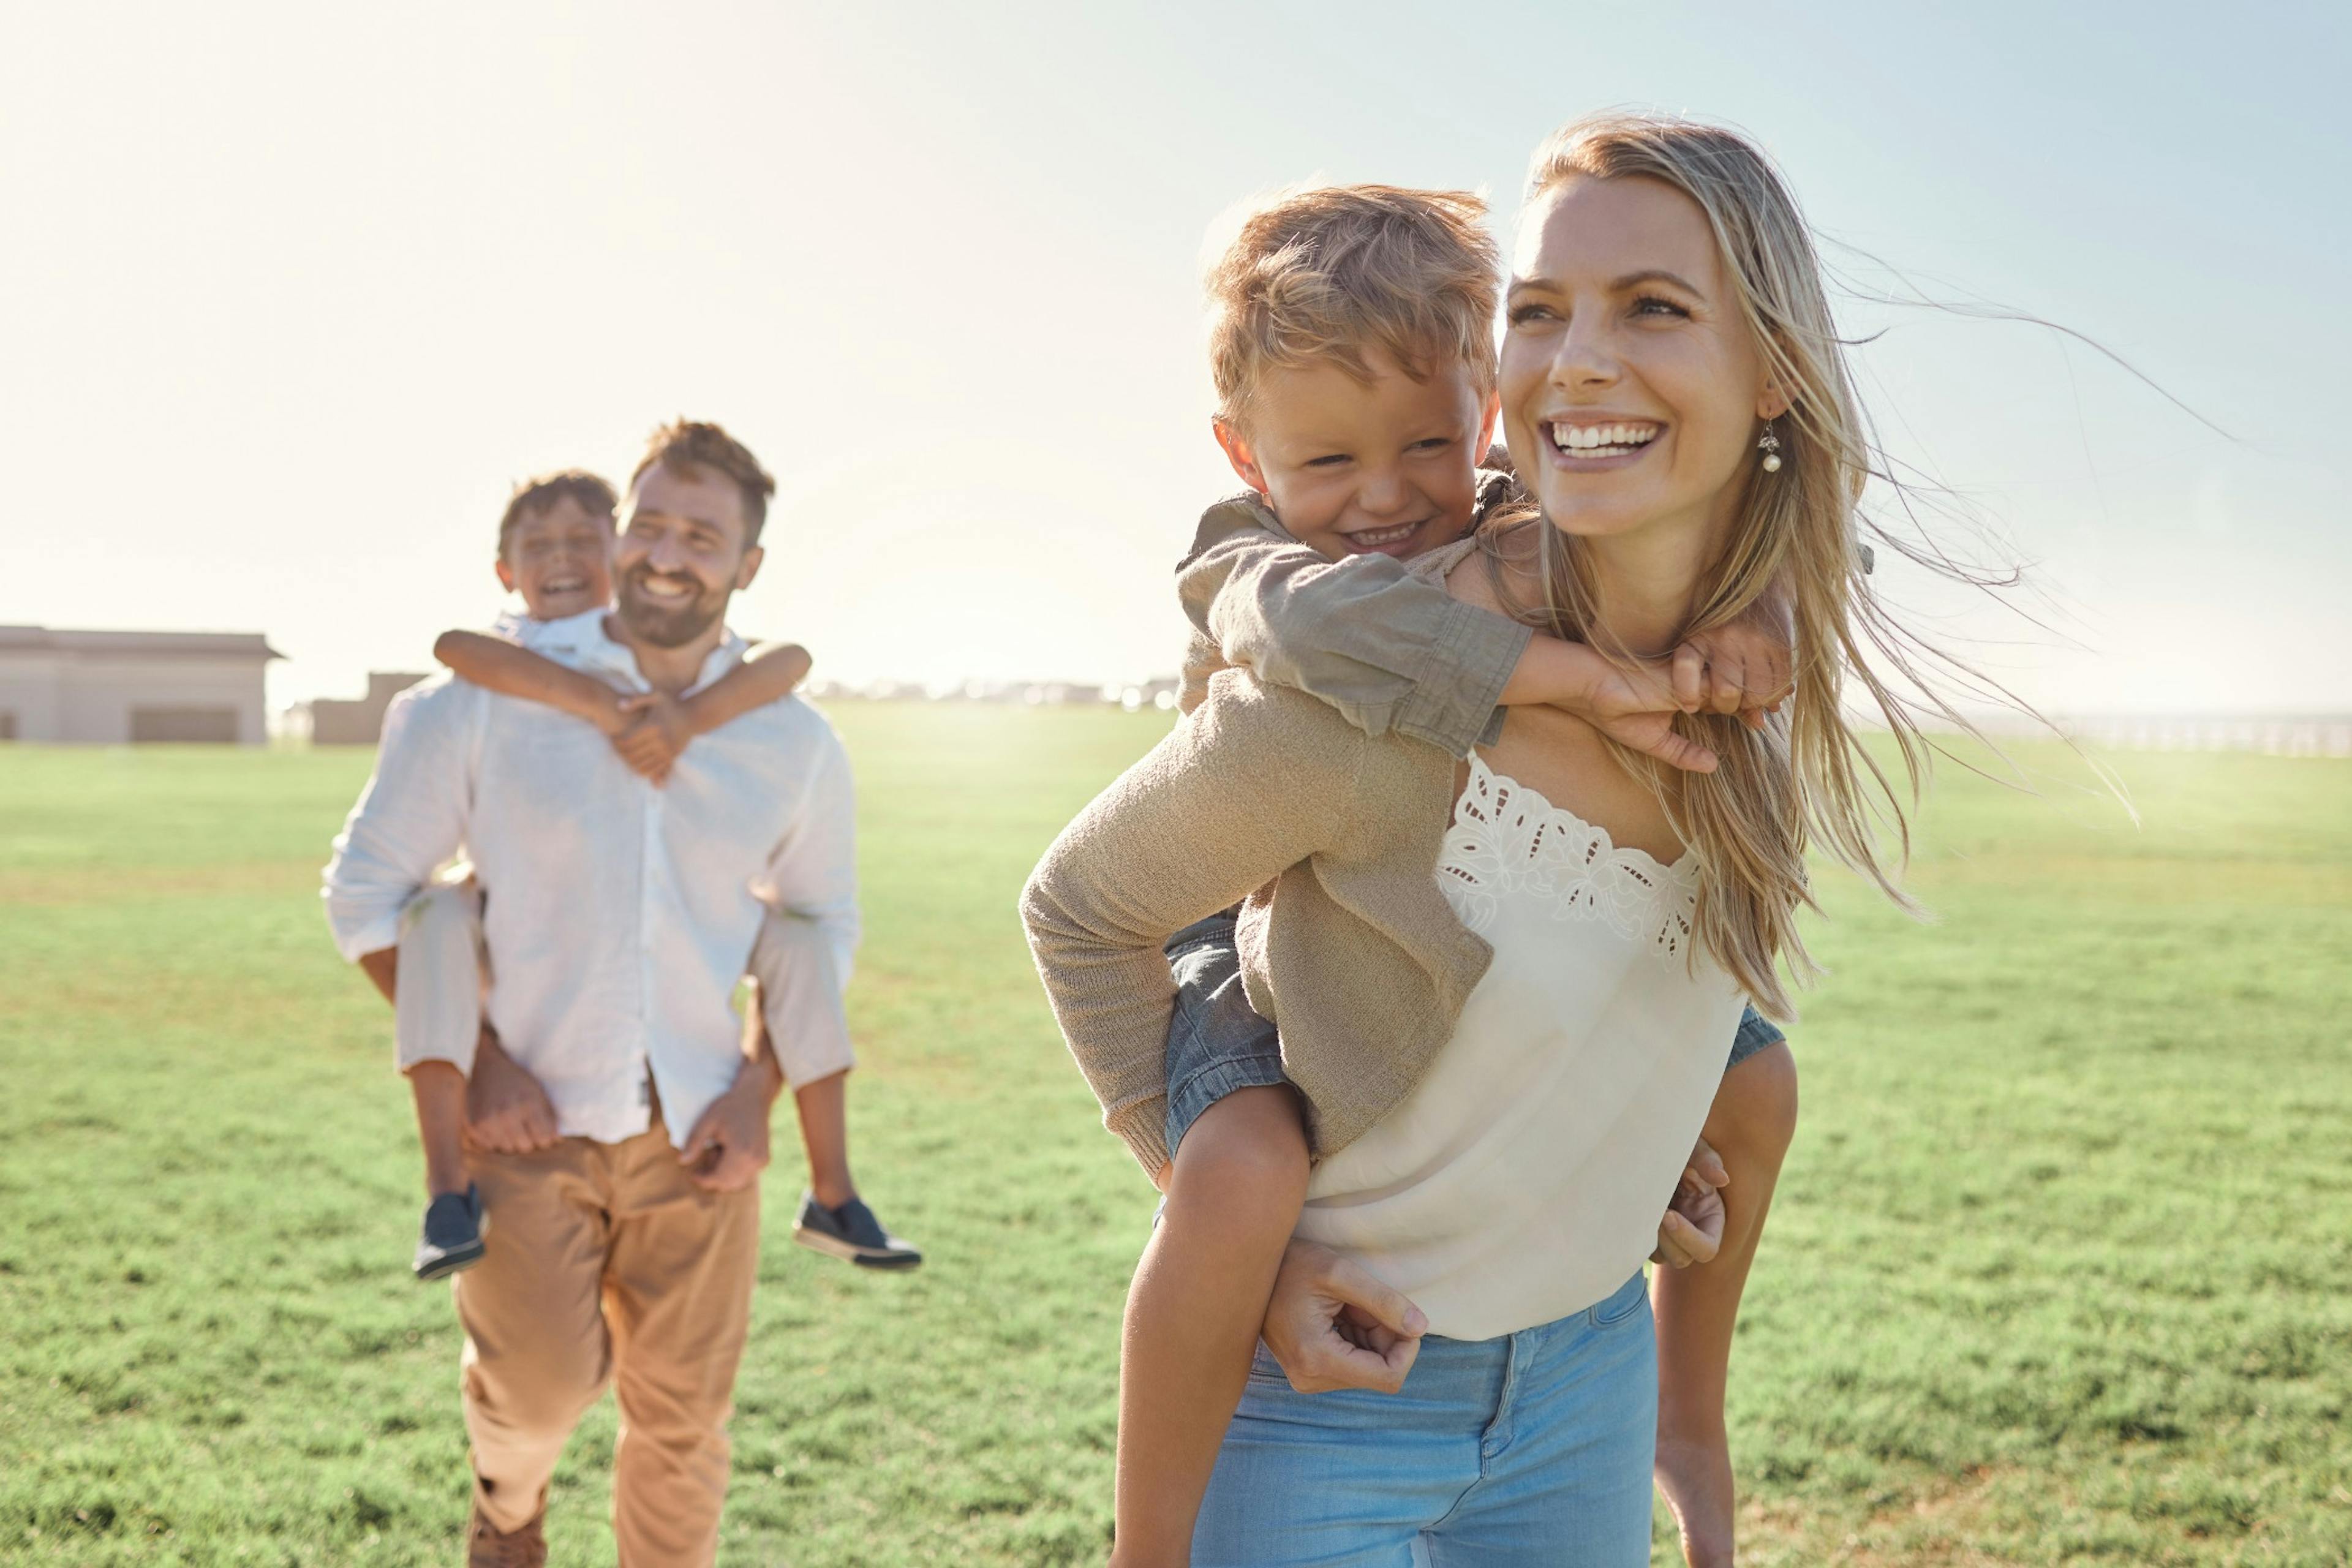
(1597, 443)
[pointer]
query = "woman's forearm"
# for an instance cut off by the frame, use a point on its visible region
(497, 664)
(1697, 1308)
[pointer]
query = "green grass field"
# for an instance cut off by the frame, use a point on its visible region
(2060, 1270)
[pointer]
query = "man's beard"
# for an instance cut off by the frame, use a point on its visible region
(668, 626)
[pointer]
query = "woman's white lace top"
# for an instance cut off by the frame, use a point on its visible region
(1523, 1178)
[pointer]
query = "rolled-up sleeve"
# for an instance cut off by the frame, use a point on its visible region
(807, 945)
(410, 819)
(1387, 648)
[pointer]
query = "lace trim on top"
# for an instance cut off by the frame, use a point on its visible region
(1505, 835)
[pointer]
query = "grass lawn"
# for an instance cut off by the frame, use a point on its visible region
(2060, 1270)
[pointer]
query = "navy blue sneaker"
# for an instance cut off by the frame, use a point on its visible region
(853, 1233)
(453, 1233)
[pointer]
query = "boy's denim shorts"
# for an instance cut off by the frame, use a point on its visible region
(1216, 1041)
(1757, 1033)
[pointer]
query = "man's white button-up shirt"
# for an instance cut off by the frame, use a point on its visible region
(619, 916)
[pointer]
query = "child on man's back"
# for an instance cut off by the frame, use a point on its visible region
(1353, 351)
(555, 548)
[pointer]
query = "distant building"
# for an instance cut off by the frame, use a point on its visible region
(335, 722)
(106, 688)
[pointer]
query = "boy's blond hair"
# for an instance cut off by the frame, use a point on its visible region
(1326, 274)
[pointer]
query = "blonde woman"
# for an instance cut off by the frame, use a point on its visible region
(1503, 984)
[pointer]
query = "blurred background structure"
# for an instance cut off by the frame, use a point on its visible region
(106, 688)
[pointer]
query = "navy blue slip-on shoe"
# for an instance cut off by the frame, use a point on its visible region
(853, 1233)
(453, 1234)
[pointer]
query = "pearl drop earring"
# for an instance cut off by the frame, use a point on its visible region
(1769, 445)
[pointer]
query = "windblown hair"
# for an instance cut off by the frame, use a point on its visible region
(534, 496)
(1806, 779)
(686, 447)
(1326, 275)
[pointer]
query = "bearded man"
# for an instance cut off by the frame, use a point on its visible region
(616, 1124)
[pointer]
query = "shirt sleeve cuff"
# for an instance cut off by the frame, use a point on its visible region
(1453, 703)
(355, 941)
(1142, 1124)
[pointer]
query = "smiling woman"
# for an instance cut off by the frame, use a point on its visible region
(1672, 371)
(1503, 984)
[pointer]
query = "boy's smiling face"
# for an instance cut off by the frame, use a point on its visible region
(560, 559)
(1354, 467)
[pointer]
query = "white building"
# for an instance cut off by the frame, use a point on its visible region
(106, 688)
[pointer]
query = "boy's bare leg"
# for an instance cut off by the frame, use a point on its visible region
(439, 1089)
(1194, 1312)
(1750, 1124)
(824, 1134)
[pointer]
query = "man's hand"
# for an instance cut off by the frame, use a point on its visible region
(657, 732)
(1332, 1325)
(506, 1112)
(729, 1146)
(1692, 1230)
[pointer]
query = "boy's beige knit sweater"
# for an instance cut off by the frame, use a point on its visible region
(1348, 944)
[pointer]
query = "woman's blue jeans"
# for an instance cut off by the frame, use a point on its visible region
(1534, 1449)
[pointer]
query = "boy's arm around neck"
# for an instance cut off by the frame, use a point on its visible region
(1387, 648)
(497, 664)
(769, 673)
(1253, 782)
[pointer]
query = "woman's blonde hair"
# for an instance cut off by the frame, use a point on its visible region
(1805, 779)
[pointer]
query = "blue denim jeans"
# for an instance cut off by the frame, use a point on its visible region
(1529, 1451)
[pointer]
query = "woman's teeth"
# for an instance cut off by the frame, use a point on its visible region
(1602, 440)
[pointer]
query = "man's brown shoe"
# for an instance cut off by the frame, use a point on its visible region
(486, 1548)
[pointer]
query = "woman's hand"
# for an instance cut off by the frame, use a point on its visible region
(1692, 1229)
(1332, 1325)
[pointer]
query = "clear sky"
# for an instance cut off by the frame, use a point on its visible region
(292, 294)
